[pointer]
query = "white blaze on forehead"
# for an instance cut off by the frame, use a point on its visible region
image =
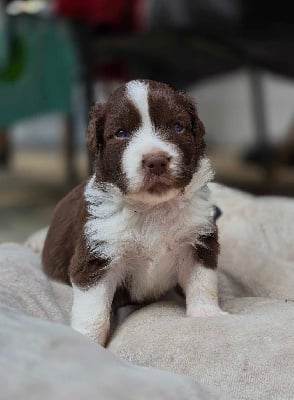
(137, 92)
(145, 140)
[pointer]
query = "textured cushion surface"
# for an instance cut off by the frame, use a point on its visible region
(42, 358)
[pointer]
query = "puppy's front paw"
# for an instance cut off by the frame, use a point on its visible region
(98, 333)
(205, 311)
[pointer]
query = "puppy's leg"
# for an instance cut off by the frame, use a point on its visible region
(198, 280)
(92, 308)
(94, 283)
(201, 293)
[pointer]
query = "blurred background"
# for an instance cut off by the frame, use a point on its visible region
(235, 57)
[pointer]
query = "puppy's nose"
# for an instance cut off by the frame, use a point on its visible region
(156, 164)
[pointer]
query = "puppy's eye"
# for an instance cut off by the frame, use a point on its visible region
(122, 134)
(178, 127)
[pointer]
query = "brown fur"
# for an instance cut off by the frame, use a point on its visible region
(118, 113)
(166, 106)
(207, 252)
(65, 229)
(65, 256)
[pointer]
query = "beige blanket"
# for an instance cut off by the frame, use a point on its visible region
(246, 355)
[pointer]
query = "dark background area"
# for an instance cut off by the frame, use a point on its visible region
(58, 57)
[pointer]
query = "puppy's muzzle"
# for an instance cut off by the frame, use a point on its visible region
(156, 164)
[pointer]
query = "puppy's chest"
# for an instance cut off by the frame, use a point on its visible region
(149, 239)
(147, 244)
(151, 255)
(138, 238)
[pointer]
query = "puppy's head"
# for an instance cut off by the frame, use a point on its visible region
(147, 140)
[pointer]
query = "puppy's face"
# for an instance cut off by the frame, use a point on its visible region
(147, 139)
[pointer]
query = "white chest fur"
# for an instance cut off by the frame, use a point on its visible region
(147, 244)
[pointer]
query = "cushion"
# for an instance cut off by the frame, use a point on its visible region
(42, 358)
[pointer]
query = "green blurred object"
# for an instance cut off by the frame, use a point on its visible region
(4, 37)
(16, 64)
(39, 70)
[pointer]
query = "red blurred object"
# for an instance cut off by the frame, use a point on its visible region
(112, 70)
(113, 15)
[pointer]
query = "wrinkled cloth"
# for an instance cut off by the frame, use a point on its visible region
(43, 358)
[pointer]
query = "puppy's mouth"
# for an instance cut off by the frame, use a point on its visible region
(159, 185)
(157, 188)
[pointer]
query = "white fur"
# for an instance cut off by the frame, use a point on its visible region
(137, 92)
(200, 286)
(148, 243)
(145, 141)
(91, 310)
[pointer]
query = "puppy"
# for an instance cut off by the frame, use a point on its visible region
(143, 223)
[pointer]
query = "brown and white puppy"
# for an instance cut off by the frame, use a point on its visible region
(143, 223)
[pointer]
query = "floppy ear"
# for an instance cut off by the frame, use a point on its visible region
(199, 130)
(197, 125)
(95, 128)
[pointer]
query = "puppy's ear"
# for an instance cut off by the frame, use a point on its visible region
(197, 125)
(198, 129)
(199, 132)
(95, 128)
